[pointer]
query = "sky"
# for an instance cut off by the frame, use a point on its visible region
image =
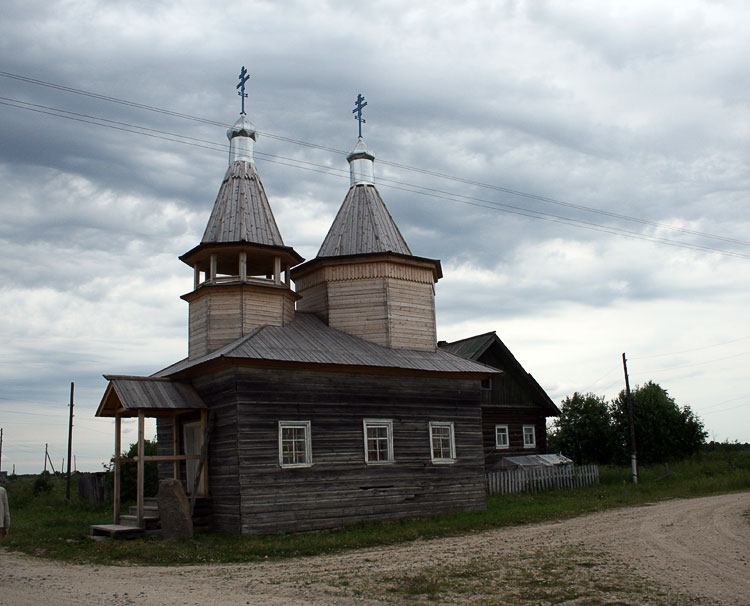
(582, 171)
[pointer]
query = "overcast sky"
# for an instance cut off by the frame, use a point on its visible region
(623, 128)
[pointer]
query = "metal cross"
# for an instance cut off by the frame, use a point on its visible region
(359, 104)
(244, 77)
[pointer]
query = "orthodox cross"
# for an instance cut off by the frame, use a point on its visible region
(244, 77)
(358, 105)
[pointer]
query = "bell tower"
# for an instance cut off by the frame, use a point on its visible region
(241, 267)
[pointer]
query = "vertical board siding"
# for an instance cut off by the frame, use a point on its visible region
(537, 479)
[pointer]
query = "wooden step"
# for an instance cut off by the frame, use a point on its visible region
(149, 521)
(148, 510)
(115, 531)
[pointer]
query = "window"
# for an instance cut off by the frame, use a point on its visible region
(378, 440)
(295, 448)
(501, 436)
(529, 436)
(442, 442)
(486, 384)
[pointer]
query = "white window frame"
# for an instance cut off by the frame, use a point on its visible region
(488, 386)
(531, 444)
(378, 423)
(305, 425)
(451, 436)
(498, 445)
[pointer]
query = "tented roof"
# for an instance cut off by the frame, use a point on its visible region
(363, 225)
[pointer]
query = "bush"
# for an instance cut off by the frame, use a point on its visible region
(43, 484)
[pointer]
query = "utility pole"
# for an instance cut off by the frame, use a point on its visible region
(70, 442)
(46, 456)
(633, 457)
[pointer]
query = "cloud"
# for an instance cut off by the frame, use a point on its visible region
(630, 109)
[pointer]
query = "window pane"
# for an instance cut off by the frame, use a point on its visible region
(377, 443)
(441, 439)
(501, 436)
(441, 442)
(293, 445)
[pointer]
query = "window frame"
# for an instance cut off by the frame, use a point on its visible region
(451, 438)
(379, 423)
(505, 446)
(307, 427)
(485, 386)
(533, 436)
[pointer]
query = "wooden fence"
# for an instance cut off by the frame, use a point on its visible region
(536, 479)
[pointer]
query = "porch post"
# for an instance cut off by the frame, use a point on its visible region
(141, 466)
(204, 470)
(175, 447)
(118, 449)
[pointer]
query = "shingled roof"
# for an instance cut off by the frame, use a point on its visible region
(363, 225)
(241, 212)
(308, 340)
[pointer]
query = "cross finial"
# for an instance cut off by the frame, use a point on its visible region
(358, 105)
(244, 77)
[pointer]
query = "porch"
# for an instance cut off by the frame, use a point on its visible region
(147, 397)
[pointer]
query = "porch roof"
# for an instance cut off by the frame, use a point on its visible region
(127, 395)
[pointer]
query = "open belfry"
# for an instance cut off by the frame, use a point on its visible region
(241, 267)
(316, 406)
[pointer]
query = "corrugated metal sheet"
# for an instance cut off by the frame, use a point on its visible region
(151, 393)
(536, 460)
(310, 341)
(363, 225)
(241, 212)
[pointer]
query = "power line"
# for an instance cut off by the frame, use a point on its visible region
(675, 353)
(428, 172)
(399, 185)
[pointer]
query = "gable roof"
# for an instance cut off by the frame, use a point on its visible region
(472, 348)
(241, 212)
(130, 394)
(363, 225)
(307, 340)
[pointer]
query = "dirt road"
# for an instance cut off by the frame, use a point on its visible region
(693, 551)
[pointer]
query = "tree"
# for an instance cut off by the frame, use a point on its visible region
(663, 430)
(584, 430)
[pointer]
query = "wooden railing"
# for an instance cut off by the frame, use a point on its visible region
(536, 479)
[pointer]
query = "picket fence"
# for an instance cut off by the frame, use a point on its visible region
(536, 479)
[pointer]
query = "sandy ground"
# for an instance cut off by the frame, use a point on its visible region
(697, 550)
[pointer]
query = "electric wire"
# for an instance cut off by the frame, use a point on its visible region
(403, 186)
(427, 172)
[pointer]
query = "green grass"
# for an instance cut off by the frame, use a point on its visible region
(48, 527)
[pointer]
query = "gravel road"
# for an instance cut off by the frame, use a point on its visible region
(687, 551)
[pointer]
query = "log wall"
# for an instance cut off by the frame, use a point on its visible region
(340, 488)
(515, 419)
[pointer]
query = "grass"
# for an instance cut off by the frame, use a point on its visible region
(546, 576)
(46, 526)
